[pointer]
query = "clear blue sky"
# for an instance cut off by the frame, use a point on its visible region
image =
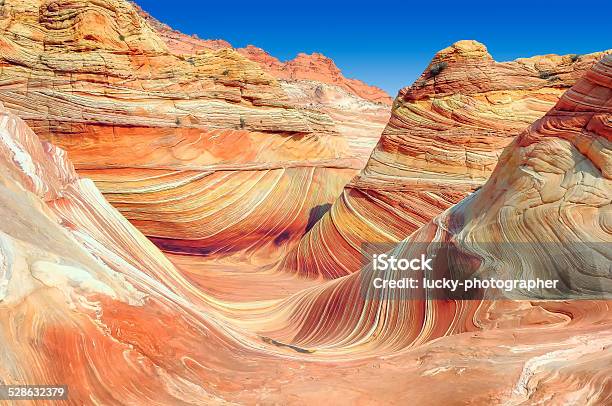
(388, 44)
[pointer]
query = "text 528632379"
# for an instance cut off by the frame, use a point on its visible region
(33, 392)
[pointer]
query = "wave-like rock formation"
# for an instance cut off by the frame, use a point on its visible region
(73, 275)
(443, 140)
(88, 301)
(206, 153)
(544, 213)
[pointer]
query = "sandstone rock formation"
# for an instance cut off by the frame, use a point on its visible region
(552, 187)
(158, 130)
(86, 300)
(73, 271)
(208, 153)
(315, 67)
(358, 110)
(443, 140)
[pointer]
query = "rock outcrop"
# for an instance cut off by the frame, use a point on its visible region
(232, 159)
(358, 110)
(158, 130)
(315, 67)
(543, 213)
(443, 140)
(88, 301)
(550, 188)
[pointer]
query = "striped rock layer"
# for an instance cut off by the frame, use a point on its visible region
(87, 300)
(360, 111)
(314, 67)
(205, 153)
(552, 187)
(442, 142)
(73, 275)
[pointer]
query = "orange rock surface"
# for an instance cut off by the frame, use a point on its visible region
(315, 67)
(206, 153)
(236, 161)
(88, 301)
(443, 140)
(551, 188)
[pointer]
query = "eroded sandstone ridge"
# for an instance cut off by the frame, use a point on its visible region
(443, 140)
(315, 67)
(360, 111)
(544, 212)
(88, 301)
(204, 152)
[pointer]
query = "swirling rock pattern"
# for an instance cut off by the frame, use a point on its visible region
(159, 129)
(62, 244)
(87, 300)
(81, 287)
(552, 185)
(443, 140)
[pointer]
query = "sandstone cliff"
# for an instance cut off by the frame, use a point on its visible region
(315, 67)
(443, 140)
(86, 300)
(205, 153)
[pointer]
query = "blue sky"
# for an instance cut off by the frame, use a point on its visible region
(388, 44)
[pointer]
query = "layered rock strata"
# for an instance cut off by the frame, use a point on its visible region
(443, 140)
(80, 286)
(359, 111)
(204, 152)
